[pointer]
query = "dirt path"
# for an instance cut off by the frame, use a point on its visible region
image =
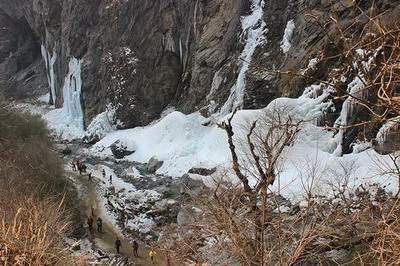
(106, 239)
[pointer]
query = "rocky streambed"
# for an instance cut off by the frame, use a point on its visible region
(134, 202)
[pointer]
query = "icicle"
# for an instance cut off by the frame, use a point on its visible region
(72, 92)
(180, 50)
(285, 43)
(49, 62)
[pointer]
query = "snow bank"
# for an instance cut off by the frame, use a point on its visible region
(102, 124)
(181, 141)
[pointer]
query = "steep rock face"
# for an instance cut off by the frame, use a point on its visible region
(20, 64)
(141, 56)
(138, 55)
(275, 72)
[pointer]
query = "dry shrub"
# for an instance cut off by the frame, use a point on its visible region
(385, 246)
(363, 230)
(32, 231)
(35, 198)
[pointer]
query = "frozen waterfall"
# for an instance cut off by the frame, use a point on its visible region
(49, 62)
(254, 28)
(72, 90)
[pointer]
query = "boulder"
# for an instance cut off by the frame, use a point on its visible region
(119, 150)
(91, 139)
(76, 247)
(185, 216)
(202, 171)
(388, 139)
(63, 149)
(191, 186)
(153, 165)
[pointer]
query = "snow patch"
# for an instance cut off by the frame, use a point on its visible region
(287, 36)
(103, 124)
(44, 98)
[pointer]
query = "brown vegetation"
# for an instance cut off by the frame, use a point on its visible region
(33, 214)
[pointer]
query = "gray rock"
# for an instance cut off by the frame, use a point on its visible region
(191, 186)
(390, 142)
(91, 139)
(295, 209)
(76, 247)
(119, 150)
(63, 149)
(185, 216)
(153, 165)
(145, 55)
(202, 171)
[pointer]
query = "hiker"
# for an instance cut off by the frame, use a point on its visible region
(92, 211)
(90, 224)
(118, 245)
(99, 224)
(73, 166)
(79, 166)
(135, 247)
(110, 179)
(168, 260)
(84, 167)
(104, 174)
(152, 253)
(90, 176)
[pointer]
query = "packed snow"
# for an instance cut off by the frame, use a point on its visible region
(254, 28)
(103, 124)
(287, 36)
(183, 141)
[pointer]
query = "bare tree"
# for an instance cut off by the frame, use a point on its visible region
(266, 140)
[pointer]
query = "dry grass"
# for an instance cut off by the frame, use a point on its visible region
(32, 231)
(35, 199)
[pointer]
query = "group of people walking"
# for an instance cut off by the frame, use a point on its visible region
(79, 165)
(82, 168)
(118, 243)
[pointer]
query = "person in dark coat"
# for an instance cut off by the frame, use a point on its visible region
(99, 223)
(118, 245)
(104, 174)
(90, 224)
(135, 247)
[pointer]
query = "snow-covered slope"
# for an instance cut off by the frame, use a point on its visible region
(183, 141)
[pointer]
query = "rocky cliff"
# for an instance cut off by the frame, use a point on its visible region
(142, 56)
